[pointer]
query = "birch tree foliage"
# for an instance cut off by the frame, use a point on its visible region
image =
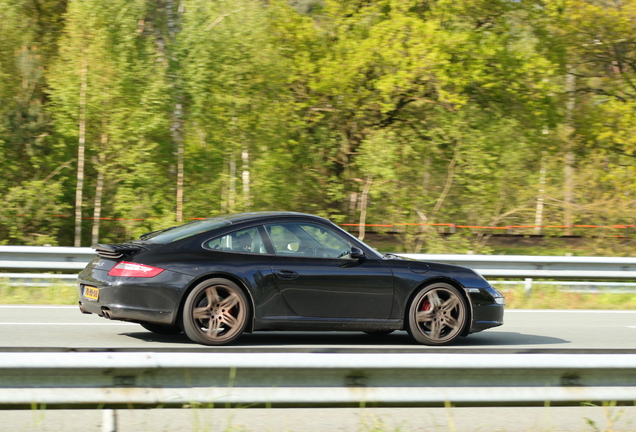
(25, 50)
(27, 213)
(235, 80)
(396, 111)
(468, 165)
(124, 102)
(30, 162)
(598, 38)
(360, 67)
(601, 36)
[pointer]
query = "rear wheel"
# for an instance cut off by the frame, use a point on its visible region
(162, 328)
(437, 315)
(215, 312)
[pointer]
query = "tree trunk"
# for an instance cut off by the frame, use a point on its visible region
(353, 201)
(450, 177)
(568, 184)
(426, 175)
(538, 219)
(232, 180)
(224, 188)
(364, 199)
(245, 177)
(99, 189)
(80, 151)
(178, 139)
(176, 128)
(568, 191)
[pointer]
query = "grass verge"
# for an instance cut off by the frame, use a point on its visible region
(551, 297)
(56, 294)
(541, 297)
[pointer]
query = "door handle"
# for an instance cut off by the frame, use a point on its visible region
(286, 274)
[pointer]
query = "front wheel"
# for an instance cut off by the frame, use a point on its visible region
(215, 312)
(437, 315)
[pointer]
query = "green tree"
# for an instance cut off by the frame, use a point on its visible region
(419, 70)
(30, 214)
(595, 44)
(108, 93)
(30, 30)
(238, 119)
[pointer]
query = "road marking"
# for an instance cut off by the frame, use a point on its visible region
(631, 326)
(72, 324)
(37, 307)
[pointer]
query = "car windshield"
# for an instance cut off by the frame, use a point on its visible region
(175, 233)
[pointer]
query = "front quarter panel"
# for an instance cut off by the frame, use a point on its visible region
(485, 312)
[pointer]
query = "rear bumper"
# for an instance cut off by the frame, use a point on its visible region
(156, 300)
(122, 313)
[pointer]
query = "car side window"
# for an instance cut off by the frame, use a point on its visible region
(326, 237)
(308, 240)
(246, 241)
(284, 240)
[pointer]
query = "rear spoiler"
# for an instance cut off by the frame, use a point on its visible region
(114, 251)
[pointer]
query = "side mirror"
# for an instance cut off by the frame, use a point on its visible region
(356, 253)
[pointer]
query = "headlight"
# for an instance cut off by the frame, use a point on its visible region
(499, 298)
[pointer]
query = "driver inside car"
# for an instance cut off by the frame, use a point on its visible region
(242, 243)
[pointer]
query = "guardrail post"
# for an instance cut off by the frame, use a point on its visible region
(528, 286)
(109, 420)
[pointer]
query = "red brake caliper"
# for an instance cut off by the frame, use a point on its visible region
(426, 305)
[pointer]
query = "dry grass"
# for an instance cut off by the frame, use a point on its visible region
(550, 297)
(541, 297)
(58, 294)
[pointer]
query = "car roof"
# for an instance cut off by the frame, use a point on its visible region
(244, 217)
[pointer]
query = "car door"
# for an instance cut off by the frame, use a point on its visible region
(317, 277)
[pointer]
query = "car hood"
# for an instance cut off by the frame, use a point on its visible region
(469, 278)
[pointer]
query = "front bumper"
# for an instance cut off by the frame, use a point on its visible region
(487, 316)
(488, 312)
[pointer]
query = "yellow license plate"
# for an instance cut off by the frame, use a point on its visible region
(91, 293)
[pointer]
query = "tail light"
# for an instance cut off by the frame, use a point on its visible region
(129, 269)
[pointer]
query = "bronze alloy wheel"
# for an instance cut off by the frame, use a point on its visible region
(215, 312)
(437, 315)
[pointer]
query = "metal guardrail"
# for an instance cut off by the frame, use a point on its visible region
(547, 267)
(69, 259)
(64, 259)
(587, 287)
(90, 380)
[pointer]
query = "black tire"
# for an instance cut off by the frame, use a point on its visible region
(437, 315)
(162, 329)
(216, 312)
(379, 332)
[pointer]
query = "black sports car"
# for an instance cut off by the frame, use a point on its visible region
(217, 278)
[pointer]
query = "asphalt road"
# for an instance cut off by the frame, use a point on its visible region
(64, 327)
(542, 419)
(60, 328)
